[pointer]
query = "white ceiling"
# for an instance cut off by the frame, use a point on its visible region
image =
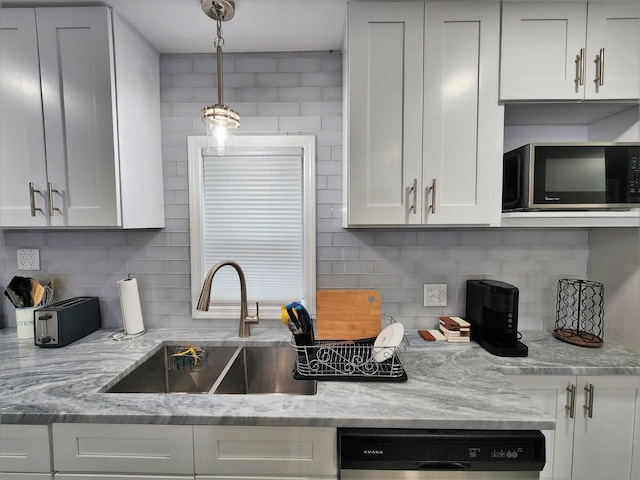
(180, 26)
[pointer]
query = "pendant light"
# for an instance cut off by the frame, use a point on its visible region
(220, 120)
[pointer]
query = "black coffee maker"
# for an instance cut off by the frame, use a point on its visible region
(492, 310)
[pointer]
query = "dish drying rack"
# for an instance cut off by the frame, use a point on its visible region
(350, 360)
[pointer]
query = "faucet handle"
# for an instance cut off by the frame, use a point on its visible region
(254, 318)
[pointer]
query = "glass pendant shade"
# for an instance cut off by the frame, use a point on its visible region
(220, 120)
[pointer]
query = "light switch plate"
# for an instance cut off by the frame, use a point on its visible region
(435, 295)
(28, 259)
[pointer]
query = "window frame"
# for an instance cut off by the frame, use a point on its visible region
(195, 146)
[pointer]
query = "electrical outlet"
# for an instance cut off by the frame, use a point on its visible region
(28, 259)
(435, 295)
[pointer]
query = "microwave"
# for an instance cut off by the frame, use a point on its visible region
(571, 176)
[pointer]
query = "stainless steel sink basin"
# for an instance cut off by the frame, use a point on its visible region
(264, 370)
(226, 370)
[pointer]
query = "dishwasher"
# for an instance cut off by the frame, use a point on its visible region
(388, 454)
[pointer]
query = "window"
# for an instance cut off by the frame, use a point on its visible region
(255, 206)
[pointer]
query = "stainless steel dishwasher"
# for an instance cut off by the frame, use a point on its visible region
(388, 454)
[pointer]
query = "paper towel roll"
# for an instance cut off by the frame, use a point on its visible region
(130, 304)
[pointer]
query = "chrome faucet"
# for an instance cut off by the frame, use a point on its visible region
(205, 297)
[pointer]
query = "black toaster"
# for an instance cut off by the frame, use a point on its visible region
(63, 322)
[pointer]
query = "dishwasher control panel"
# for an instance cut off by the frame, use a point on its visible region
(451, 450)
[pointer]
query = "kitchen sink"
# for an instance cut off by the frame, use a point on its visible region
(224, 370)
(264, 370)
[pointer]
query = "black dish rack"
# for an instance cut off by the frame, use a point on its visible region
(349, 360)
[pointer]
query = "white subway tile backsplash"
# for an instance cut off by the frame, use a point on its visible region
(278, 109)
(294, 93)
(256, 65)
(299, 94)
(252, 125)
(299, 64)
(321, 79)
(194, 80)
(300, 124)
(175, 65)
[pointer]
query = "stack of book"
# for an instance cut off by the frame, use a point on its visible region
(455, 329)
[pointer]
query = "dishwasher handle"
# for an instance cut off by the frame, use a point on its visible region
(442, 466)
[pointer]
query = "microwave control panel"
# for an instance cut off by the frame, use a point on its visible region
(634, 176)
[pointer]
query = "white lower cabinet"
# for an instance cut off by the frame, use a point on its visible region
(265, 452)
(155, 451)
(183, 452)
(25, 452)
(596, 424)
(101, 476)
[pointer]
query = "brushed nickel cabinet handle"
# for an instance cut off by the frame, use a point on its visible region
(432, 189)
(590, 389)
(52, 207)
(572, 400)
(579, 80)
(599, 61)
(414, 191)
(32, 200)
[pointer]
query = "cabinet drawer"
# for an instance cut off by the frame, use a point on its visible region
(26, 476)
(92, 476)
(165, 449)
(228, 450)
(25, 448)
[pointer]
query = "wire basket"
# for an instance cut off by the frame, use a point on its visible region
(186, 359)
(580, 312)
(350, 360)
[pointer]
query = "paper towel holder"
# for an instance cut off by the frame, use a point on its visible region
(122, 334)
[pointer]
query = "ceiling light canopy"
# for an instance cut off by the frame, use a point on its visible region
(220, 119)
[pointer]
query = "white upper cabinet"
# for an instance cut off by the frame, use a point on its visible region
(462, 143)
(570, 51)
(22, 152)
(80, 131)
(421, 114)
(383, 113)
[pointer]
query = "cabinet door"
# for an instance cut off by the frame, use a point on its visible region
(551, 395)
(603, 443)
(541, 46)
(383, 113)
(613, 40)
(25, 448)
(461, 169)
(102, 476)
(146, 449)
(76, 56)
(22, 154)
(296, 452)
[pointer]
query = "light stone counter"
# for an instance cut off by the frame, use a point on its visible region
(449, 385)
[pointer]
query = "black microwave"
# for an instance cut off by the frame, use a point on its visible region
(571, 176)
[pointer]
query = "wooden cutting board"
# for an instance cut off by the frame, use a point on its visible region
(347, 314)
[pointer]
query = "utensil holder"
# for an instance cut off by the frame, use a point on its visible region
(580, 312)
(24, 321)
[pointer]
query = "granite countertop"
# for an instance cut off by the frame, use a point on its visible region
(449, 385)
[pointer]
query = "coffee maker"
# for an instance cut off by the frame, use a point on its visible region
(492, 311)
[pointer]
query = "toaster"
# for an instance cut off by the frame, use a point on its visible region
(63, 322)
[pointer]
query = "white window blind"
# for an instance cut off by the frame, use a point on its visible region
(253, 214)
(256, 207)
